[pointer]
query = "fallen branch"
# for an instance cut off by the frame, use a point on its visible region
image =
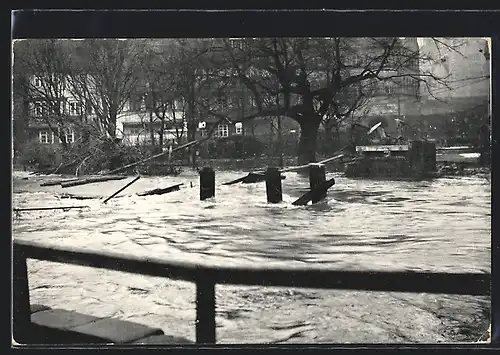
(158, 155)
(91, 180)
(64, 165)
(161, 191)
(250, 178)
(304, 199)
(294, 168)
(259, 175)
(57, 182)
(77, 197)
(122, 188)
(57, 169)
(47, 208)
(80, 165)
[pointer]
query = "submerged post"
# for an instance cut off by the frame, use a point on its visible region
(21, 298)
(317, 176)
(273, 185)
(207, 183)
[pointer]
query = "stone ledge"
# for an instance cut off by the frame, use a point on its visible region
(61, 318)
(116, 331)
(162, 340)
(59, 326)
(39, 308)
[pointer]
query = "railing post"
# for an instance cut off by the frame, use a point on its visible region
(207, 183)
(273, 185)
(205, 311)
(21, 315)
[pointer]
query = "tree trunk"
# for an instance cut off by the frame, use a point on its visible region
(191, 120)
(307, 142)
(152, 129)
(112, 114)
(162, 133)
(191, 133)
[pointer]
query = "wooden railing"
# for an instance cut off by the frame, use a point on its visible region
(206, 277)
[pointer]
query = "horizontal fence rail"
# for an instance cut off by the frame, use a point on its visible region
(206, 277)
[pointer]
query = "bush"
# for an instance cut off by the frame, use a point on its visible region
(235, 147)
(39, 156)
(87, 158)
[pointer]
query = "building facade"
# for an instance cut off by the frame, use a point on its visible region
(434, 107)
(464, 63)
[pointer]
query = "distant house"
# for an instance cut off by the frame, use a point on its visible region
(133, 123)
(45, 116)
(391, 100)
(136, 124)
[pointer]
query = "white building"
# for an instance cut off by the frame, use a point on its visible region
(132, 124)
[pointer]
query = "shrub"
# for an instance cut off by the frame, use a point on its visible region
(39, 156)
(235, 147)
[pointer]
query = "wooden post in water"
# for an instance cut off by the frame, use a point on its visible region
(317, 176)
(21, 298)
(207, 183)
(273, 185)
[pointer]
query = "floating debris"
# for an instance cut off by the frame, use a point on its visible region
(122, 188)
(91, 180)
(175, 187)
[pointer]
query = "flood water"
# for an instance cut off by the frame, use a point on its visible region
(441, 225)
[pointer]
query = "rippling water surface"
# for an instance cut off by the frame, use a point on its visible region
(440, 225)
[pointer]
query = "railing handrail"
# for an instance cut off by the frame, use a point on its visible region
(434, 282)
(206, 277)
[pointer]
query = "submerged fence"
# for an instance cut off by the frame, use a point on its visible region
(206, 277)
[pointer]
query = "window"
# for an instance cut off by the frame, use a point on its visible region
(222, 130)
(45, 137)
(203, 132)
(37, 109)
(70, 137)
(75, 108)
(236, 43)
(62, 107)
(238, 128)
(208, 73)
(37, 82)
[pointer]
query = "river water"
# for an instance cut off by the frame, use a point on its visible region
(441, 225)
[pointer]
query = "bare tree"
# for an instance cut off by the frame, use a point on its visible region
(166, 91)
(185, 80)
(312, 76)
(43, 66)
(104, 76)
